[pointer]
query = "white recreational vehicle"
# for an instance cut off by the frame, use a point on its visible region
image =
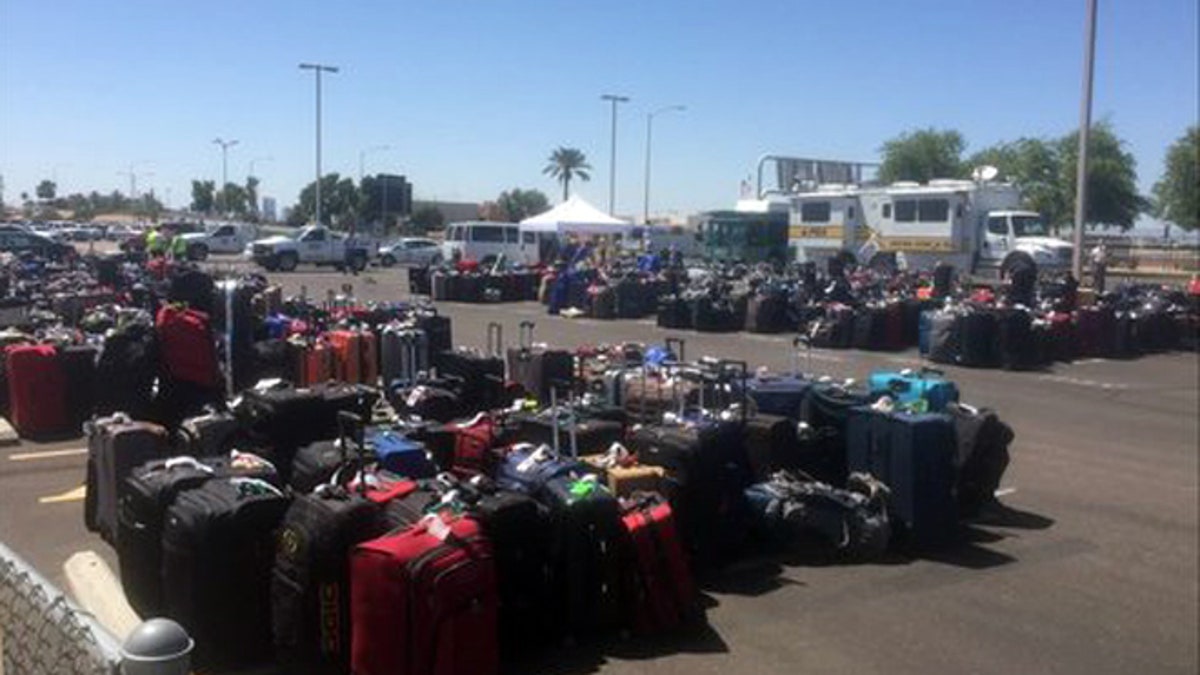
(975, 225)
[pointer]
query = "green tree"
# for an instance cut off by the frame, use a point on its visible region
(1113, 199)
(203, 195)
(46, 190)
(427, 218)
(233, 199)
(1177, 193)
(566, 164)
(1035, 167)
(923, 155)
(339, 198)
(517, 204)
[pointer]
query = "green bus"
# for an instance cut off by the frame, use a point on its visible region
(736, 236)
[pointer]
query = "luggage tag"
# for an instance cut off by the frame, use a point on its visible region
(584, 486)
(436, 525)
(542, 454)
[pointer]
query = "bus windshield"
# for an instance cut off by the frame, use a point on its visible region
(1029, 226)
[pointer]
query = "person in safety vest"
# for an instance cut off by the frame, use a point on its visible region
(155, 242)
(179, 247)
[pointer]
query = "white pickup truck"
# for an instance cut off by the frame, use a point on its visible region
(222, 238)
(315, 245)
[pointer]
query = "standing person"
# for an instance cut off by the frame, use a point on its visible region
(348, 253)
(179, 246)
(154, 242)
(1099, 267)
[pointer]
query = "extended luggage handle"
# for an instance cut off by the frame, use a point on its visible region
(680, 355)
(801, 342)
(495, 339)
(525, 335)
(572, 416)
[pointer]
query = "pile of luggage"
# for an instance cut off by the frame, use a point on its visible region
(483, 504)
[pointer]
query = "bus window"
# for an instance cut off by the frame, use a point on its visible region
(906, 210)
(933, 210)
(510, 235)
(814, 212)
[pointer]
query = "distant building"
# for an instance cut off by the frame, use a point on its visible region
(268, 209)
(452, 212)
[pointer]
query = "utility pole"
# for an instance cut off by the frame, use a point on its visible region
(1085, 127)
(649, 138)
(317, 69)
(225, 146)
(612, 166)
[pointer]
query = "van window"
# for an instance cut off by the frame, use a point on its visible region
(933, 210)
(510, 235)
(906, 210)
(997, 225)
(455, 233)
(528, 238)
(814, 212)
(487, 234)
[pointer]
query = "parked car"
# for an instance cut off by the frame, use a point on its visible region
(16, 239)
(410, 251)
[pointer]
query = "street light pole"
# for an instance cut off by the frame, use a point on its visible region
(317, 69)
(225, 146)
(1085, 127)
(612, 167)
(649, 138)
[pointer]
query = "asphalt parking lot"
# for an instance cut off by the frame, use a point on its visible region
(1091, 568)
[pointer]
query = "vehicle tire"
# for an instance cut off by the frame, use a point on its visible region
(387, 261)
(287, 262)
(1013, 261)
(358, 263)
(198, 252)
(883, 263)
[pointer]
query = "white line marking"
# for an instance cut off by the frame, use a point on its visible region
(1080, 382)
(1004, 492)
(47, 454)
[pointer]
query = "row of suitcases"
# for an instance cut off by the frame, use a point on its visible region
(452, 286)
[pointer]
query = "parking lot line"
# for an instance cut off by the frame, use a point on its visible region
(46, 454)
(73, 495)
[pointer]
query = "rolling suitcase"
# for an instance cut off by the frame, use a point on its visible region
(348, 347)
(437, 329)
(399, 454)
(945, 336)
(79, 370)
(979, 346)
(128, 367)
(1095, 328)
(982, 457)
(187, 346)
(924, 390)
(674, 313)
(149, 491)
(661, 595)
(482, 374)
(425, 601)
(37, 391)
(116, 445)
(771, 444)
(213, 433)
(780, 394)
(1016, 342)
(538, 369)
(310, 580)
(603, 302)
(914, 455)
(218, 552)
(404, 354)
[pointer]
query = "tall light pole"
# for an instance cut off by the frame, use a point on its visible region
(1085, 127)
(649, 138)
(132, 174)
(225, 146)
(317, 69)
(612, 166)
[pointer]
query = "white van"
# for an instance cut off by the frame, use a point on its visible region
(487, 240)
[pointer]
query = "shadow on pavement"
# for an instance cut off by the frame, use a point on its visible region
(589, 657)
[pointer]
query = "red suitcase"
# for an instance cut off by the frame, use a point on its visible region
(424, 602)
(370, 359)
(313, 363)
(661, 593)
(37, 391)
(474, 447)
(189, 352)
(347, 348)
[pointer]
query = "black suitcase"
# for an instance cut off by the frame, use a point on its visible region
(79, 365)
(310, 581)
(982, 457)
(771, 444)
(870, 326)
(437, 330)
(215, 432)
(978, 344)
(538, 369)
(149, 492)
(126, 370)
(630, 299)
(586, 556)
(603, 303)
(674, 312)
(945, 337)
(286, 419)
(218, 551)
(193, 288)
(583, 437)
(1125, 341)
(826, 410)
(1018, 345)
(766, 313)
(914, 455)
(482, 374)
(518, 527)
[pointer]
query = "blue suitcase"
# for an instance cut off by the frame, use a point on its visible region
(399, 454)
(924, 323)
(914, 456)
(782, 394)
(924, 390)
(527, 470)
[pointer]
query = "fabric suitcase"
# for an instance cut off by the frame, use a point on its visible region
(538, 369)
(149, 491)
(577, 438)
(1016, 341)
(826, 411)
(404, 354)
(527, 469)
(982, 457)
(127, 367)
(398, 454)
(79, 370)
(922, 390)
(310, 580)
(425, 601)
(771, 444)
(218, 551)
(914, 455)
(603, 302)
(1095, 328)
(979, 346)
(116, 445)
(348, 347)
(188, 349)
(765, 313)
(661, 595)
(945, 337)
(437, 329)
(780, 394)
(427, 402)
(674, 313)
(37, 391)
(287, 418)
(213, 433)
(482, 377)
(586, 555)
(870, 328)
(191, 288)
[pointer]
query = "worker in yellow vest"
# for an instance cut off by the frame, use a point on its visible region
(155, 242)
(179, 246)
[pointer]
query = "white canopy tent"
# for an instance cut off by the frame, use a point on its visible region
(576, 216)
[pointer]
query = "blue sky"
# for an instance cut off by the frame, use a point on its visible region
(473, 95)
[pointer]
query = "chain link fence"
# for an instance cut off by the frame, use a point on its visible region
(42, 632)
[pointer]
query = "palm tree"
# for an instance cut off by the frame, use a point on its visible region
(565, 164)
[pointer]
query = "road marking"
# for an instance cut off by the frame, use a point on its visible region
(73, 495)
(1004, 492)
(1083, 382)
(46, 454)
(1084, 362)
